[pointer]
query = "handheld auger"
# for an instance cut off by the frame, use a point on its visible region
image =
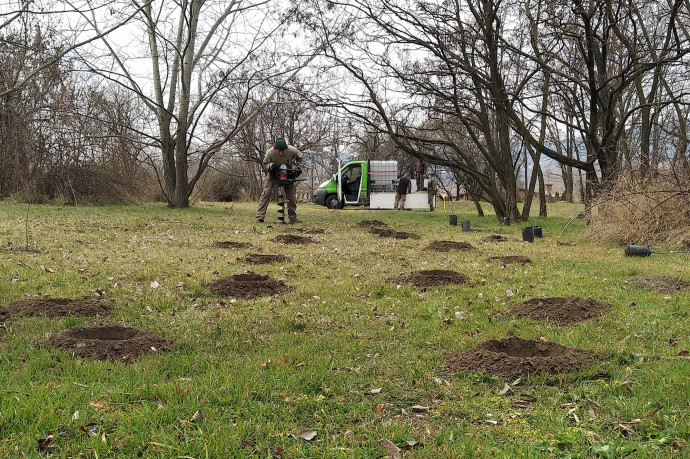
(284, 176)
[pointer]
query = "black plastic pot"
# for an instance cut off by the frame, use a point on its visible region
(537, 231)
(638, 251)
(506, 221)
(465, 226)
(528, 234)
(453, 220)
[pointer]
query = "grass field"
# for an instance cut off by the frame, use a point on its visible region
(346, 363)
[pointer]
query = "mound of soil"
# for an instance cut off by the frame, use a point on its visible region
(261, 259)
(231, 245)
(57, 307)
(559, 310)
(393, 234)
(371, 223)
(512, 259)
(434, 277)
(660, 284)
(445, 246)
(512, 357)
(109, 342)
(248, 285)
(494, 238)
(292, 239)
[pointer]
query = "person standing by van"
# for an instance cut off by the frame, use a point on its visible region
(431, 189)
(404, 187)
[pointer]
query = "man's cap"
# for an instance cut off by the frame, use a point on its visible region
(280, 144)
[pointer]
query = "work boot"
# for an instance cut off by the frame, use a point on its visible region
(259, 220)
(295, 221)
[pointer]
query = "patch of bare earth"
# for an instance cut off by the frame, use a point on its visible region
(248, 285)
(445, 246)
(231, 245)
(260, 259)
(559, 310)
(494, 238)
(293, 239)
(512, 357)
(371, 223)
(109, 342)
(393, 234)
(58, 307)
(511, 259)
(433, 277)
(659, 284)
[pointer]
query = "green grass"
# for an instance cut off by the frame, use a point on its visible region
(261, 371)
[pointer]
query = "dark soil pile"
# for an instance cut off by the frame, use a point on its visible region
(511, 259)
(260, 259)
(57, 307)
(512, 357)
(109, 342)
(248, 285)
(434, 277)
(445, 246)
(292, 239)
(371, 223)
(494, 238)
(393, 234)
(231, 245)
(559, 310)
(660, 284)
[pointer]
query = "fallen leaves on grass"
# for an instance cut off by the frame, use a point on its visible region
(45, 444)
(307, 435)
(392, 450)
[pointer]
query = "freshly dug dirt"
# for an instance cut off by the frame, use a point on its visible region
(435, 277)
(260, 259)
(393, 234)
(371, 223)
(512, 357)
(494, 238)
(660, 284)
(511, 259)
(231, 245)
(57, 307)
(109, 342)
(248, 285)
(293, 239)
(559, 310)
(445, 246)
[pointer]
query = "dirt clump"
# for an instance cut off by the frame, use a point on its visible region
(393, 234)
(261, 259)
(248, 285)
(659, 284)
(559, 310)
(109, 342)
(513, 357)
(494, 238)
(58, 307)
(231, 245)
(371, 224)
(433, 277)
(293, 239)
(511, 259)
(444, 246)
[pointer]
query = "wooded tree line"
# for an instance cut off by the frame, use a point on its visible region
(129, 93)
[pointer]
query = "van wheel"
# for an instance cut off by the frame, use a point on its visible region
(332, 202)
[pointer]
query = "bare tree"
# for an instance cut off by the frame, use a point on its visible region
(195, 51)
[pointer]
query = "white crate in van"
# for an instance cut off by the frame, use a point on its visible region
(383, 174)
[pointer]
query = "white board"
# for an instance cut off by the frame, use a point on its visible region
(386, 200)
